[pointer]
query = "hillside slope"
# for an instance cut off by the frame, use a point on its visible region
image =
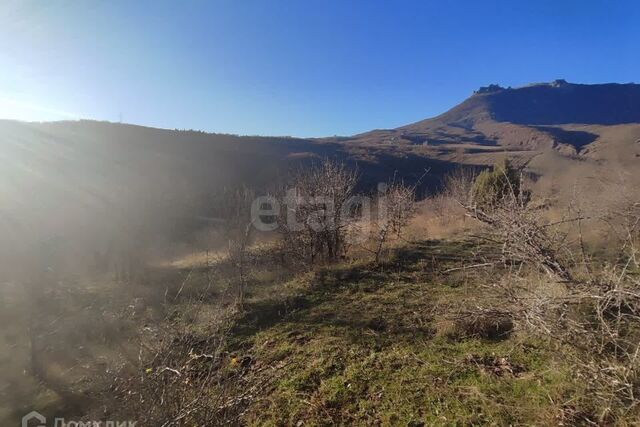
(87, 184)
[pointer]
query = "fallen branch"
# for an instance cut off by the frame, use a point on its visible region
(467, 267)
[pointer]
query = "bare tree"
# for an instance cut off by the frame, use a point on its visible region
(320, 207)
(396, 207)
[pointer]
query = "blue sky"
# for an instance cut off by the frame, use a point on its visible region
(303, 67)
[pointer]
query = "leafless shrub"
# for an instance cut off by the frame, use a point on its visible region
(396, 207)
(458, 185)
(319, 212)
(595, 318)
(622, 217)
(515, 223)
(597, 321)
(183, 374)
(233, 214)
(181, 379)
(598, 326)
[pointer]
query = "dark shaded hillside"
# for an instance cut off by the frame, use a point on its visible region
(90, 181)
(553, 103)
(102, 165)
(95, 185)
(602, 104)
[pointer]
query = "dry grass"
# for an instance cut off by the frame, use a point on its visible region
(440, 217)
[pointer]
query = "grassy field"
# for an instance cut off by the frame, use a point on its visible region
(390, 345)
(348, 344)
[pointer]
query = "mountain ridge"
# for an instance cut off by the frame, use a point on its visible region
(533, 117)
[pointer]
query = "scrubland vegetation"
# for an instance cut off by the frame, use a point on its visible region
(484, 304)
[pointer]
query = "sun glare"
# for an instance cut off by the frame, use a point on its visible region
(13, 109)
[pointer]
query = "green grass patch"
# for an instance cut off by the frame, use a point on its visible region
(359, 344)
